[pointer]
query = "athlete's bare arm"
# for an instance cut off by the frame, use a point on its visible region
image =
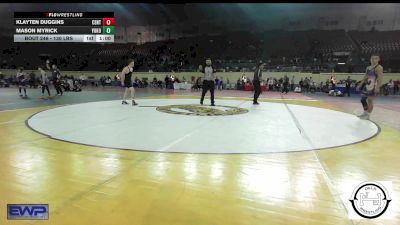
(123, 72)
(379, 71)
(362, 82)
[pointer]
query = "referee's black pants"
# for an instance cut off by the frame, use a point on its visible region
(257, 90)
(208, 85)
(347, 91)
(285, 88)
(57, 86)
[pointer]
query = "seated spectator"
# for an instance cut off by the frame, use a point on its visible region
(77, 86)
(313, 87)
(196, 86)
(108, 81)
(3, 81)
(70, 83)
(238, 85)
(65, 85)
(216, 81)
(335, 93)
(297, 89)
(160, 84)
(83, 79)
(154, 82)
(391, 86)
(396, 87)
(271, 84)
(102, 81)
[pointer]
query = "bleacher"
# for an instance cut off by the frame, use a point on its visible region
(326, 42)
(377, 41)
(235, 50)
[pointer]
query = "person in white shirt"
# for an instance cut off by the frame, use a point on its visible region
(391, 86)
(44, 81)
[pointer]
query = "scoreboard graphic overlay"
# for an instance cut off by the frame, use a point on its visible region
(64, 27)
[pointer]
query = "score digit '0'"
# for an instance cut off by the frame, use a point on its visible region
(108, 21)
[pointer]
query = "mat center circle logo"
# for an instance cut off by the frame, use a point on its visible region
(370, 200)
(199, 110)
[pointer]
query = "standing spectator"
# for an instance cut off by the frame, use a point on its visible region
(280, 84)
(348, 84)
(292, 84)
(301, 83)
(102, 81)
(172, 76)
(166, 80)
(285, 84)
(306, 84)
(333, 82)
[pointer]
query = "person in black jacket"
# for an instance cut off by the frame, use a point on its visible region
(208, 82)
(285, 84)
(56, 75)
(256, 82)
(348, 83)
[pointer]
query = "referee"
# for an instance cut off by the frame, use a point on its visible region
(256, 82)
(57, 79)
(208, 82)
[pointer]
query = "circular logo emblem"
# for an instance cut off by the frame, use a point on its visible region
(199, 110)
(370, 200)
(370, 84)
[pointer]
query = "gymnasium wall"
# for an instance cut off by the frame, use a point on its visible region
(232, 76)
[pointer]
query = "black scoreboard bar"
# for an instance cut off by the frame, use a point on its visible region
(63, 14)
(64, 26)
(58, 22)
(59, 30)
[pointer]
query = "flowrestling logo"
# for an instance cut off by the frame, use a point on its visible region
(370, 200)
(27, 211)
(198, 110)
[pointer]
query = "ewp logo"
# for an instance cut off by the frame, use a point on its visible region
(27, 212)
